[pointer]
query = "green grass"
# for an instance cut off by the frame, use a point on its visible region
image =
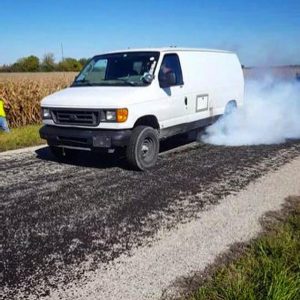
(20, 137)
(270, 268)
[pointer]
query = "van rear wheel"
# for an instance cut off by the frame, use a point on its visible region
(143, 148)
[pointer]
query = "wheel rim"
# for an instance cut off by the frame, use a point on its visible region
(147, 150)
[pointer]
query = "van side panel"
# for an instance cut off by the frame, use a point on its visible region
(211, 80)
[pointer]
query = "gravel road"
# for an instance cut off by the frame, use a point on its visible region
(62, 222)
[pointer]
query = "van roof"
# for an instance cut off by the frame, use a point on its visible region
(168, 49)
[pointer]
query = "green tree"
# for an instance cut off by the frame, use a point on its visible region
(5, 68)
(48, 63)
(69, 64)
(83, 61)
(27, 64)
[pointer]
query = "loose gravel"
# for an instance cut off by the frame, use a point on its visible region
(62, 222)
(151, 271)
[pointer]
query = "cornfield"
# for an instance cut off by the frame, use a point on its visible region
(23, 92)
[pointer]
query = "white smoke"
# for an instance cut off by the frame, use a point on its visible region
(270, 115)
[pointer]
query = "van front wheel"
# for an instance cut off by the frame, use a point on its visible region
(143, 148)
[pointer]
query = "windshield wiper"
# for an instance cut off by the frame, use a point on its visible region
(82, 82)
(132, 83)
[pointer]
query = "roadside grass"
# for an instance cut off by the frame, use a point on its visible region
(269, 269)
(20, 137)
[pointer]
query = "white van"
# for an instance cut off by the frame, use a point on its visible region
(135, 98)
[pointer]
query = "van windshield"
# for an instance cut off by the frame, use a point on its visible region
(118, 69)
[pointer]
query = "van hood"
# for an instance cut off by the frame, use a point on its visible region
(95, 97)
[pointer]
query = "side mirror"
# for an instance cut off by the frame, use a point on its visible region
(167, 80)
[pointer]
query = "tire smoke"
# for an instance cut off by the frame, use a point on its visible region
(270, 115)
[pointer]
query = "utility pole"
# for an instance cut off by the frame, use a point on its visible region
(62, 51)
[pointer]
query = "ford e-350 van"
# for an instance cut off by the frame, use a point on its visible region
(135, 98)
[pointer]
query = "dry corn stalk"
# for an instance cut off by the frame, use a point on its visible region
(23, 93)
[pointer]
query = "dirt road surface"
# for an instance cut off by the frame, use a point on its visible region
(65, 223)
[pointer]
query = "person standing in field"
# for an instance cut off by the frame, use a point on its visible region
(3, 122)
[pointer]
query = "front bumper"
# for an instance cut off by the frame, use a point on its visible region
(82, 138)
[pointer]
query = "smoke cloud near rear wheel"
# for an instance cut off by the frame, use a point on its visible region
(270, 115)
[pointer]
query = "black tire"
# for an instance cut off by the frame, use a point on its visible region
(143, 148)
(63, 154)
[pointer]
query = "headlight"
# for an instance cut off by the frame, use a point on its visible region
(119, 115)
(111, 115)
(46, 114)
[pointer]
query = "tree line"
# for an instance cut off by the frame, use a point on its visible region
(47, 64)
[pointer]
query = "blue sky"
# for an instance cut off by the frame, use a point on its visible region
(261, 32)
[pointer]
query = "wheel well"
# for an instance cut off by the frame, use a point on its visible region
(230, 106)
(148, 120)
(232, 102)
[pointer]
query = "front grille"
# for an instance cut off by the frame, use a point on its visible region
(76, 117)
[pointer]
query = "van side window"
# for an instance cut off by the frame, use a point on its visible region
(170, 65)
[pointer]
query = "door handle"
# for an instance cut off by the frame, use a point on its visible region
(185, 100)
